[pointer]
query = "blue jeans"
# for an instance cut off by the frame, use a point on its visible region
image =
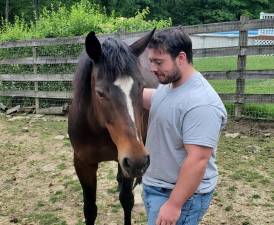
(191, 213)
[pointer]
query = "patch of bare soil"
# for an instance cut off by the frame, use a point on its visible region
(251, 127)
(37, 180)
(38, 185)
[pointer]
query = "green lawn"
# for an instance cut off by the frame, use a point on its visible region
(251, 86)
(254, 86)
(230, 63)
(39, 184)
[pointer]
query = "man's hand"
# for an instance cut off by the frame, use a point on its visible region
(169, 214)
(147, 95)
(190, 176)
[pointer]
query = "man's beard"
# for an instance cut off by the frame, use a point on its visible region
(171, 77)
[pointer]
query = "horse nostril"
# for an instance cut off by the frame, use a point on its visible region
(136, 168)
(127, 163)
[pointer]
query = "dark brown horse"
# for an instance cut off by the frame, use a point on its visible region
(106, 118)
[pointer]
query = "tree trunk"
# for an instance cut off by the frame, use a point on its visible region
(36, 5)
(7, 11)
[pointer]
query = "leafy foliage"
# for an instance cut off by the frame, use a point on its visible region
(184, 12)
(78, 19)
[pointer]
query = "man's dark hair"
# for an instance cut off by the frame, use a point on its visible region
(173, 41)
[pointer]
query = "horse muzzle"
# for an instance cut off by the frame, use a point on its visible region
(135, 167)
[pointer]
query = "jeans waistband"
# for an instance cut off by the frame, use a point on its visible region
(166, 190)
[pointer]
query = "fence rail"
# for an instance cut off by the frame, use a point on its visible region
(40, 60)
(212, 75)
(36, 77)
(230, 51)
(209, 75)
(239, 98)
(248, 98)
(37, 94)
(205, 52)
(235, 74)
(245, 98)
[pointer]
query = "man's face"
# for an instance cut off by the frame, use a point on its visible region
(163, 66)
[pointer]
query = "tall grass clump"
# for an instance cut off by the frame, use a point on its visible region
(64, 22)
(19, 30)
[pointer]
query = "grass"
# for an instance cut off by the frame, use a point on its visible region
(256, 86)
(61, 166)
(57, 197)
(228, 208)
(226, 63)
(246, 175)
(253, 167)
(256, 196)
(115, 207)
(232, 188)
(40, 204)
(260, 111)
(262, 86)
(244, 194)
(46, 219)
(112, 190)
(73, 185)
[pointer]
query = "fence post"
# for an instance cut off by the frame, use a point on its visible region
(34, 54)
(241, 67)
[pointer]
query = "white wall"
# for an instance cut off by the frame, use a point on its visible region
(207, 41)
(214, 41)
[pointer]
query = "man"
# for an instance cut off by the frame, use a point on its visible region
(186, 117)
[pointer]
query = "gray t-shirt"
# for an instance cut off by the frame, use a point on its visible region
(192, 113)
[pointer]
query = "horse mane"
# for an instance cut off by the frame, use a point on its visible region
(82, 80)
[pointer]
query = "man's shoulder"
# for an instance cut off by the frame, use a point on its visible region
(202, 93)
(200, 98)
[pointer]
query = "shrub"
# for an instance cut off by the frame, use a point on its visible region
(17, 31)
(79, 19)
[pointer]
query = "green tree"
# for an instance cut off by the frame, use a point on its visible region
(183, 12)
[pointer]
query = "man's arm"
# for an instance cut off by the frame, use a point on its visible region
(147, 95)
(191, 173)
(190, 176)
(201, 128)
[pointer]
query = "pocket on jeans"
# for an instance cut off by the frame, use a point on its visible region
(205, 202)
(186, 210)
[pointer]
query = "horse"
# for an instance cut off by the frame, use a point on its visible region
(106, 120)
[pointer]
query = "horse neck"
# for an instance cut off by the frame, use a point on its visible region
(93, 117)
(85, 115)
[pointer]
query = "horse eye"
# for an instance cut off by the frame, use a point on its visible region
(101, 94)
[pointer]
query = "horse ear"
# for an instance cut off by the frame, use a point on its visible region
(93, 46)
(140, 45)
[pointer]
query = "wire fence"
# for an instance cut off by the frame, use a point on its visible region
(37, 74)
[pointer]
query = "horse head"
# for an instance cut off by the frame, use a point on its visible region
(116, 86)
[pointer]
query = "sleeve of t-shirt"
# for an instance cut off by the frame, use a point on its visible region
(160, 86)
(201, 126)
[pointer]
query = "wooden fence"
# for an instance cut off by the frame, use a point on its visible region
(240, 74)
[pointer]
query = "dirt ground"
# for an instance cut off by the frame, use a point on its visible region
(38, 184)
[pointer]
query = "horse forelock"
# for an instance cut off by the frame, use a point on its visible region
(118, 61)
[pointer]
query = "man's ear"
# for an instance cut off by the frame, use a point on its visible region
(181, 58)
